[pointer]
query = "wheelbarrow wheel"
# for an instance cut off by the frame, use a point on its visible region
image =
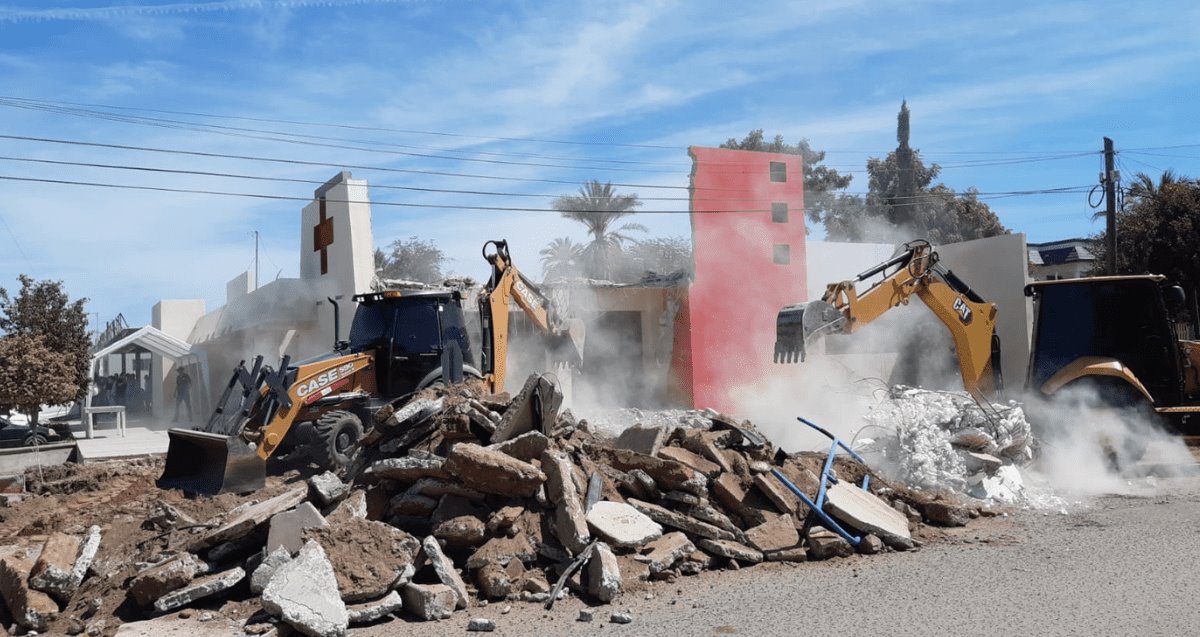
(337, 434)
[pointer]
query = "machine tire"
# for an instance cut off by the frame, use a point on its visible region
(1135, 413)
(336, 433)
(34, 440)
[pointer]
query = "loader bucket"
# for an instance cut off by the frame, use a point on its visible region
(202, 463)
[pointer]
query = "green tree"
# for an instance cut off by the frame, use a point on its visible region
(561, 259)
(660, 255)
(901, 204)
(411, 259)
(1158, 230)
(821, 183)
(598, 207)
(41, 319)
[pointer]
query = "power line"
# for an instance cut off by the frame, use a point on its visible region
(15, 241)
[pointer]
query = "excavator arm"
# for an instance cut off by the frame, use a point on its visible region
(565, 337)
(914, 272)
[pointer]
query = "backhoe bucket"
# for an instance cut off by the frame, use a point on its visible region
(798, 325)
(203, 463)
(566, 345)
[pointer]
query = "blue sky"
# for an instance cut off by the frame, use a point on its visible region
(527, 99)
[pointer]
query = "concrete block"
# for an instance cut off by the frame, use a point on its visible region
(776, 534)
(490, 471)
(155, 582)
(867, 513)
(52, 571)
(304, 593)
(779, 495)
(503, 549)
(730, 550)
(494, 581)
(354, 506)
(326, 488)
(429, 601)
(528, 446)
(199, 589)
(676, 520)
(405, 469)
(824, 544)
(604, 574)
(446, 573)
(266, 569)
(695, 461)
(668, 475)
(640, 439)
(376, 610)
(31, 609)
(520, 417)
(287, 528)
(622, 525)
(797, 554)
(947, 514)
(661, 554)
(480, 625)
(250, 518)
(570, 521)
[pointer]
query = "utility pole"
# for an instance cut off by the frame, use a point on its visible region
(1110, 198)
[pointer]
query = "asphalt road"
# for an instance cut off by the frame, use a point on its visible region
(1127, 564)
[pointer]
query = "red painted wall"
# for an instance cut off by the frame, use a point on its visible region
(739, 287)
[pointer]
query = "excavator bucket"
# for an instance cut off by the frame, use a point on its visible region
(566, 345)
(202, 463)
(798, 325)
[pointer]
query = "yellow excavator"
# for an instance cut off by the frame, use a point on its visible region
(914, 271)
(400, 342)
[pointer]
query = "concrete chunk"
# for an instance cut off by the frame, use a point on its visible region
(445, 570)
(30, 608)
(863, 511)
(640, 439)
(502, 550)
(622, 525)
(199, 589)
(494, 580)
(776, 534)
(250, 518)
(405, 469)
(729, 550)
(680, 521)
(779, 495)
(326, 488)
(368, 612)
(570, 522)
(354, 506)
(52, 571)
(679, 454)
(493, 472)
(287, 528)
(604, 574)
(87, 553)
(797, 554)
(304, 593)
(521, 417)
(429, 601)
(663, 553)
(824, 544)
(266, 569)
(155, 582)
(528, 446)
(668, 475)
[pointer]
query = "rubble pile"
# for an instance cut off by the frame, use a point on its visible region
(943, 439)
(457, 499)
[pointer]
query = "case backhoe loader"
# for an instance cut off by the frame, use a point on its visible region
(400, 342)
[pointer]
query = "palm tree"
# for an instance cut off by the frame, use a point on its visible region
(561, 258)
(598, 206)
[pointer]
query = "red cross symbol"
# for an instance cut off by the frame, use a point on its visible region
(323, 237)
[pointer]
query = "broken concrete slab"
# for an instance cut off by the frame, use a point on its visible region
(287, 528)
(730, 550)
(155, 582)
(413, 504)
(622, 525)
(271, 563)
(304, 593)
(375, 610)
(520, 416)
(52, 571)
(493, 472)
(679, 454)
(250, 518)
(981, 462)
(776, 534)
(87, 553)
(30, 608)
(326, 488)
(798, 554)
(706, 512)
(661, 554)
(369, 558)
(354, 506)
(641, 439)
(414, 411)
(779, 495)
(437, 489)
(668, 475)
(528, 446)
(199, 589)
(947, 514)
(446, 573)
(570, 522)
(680, 521)
(503, 519)
(429, 601)
(604, 574)
(405, 469)
(867, 513)
(503, 549)
(824, 544)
